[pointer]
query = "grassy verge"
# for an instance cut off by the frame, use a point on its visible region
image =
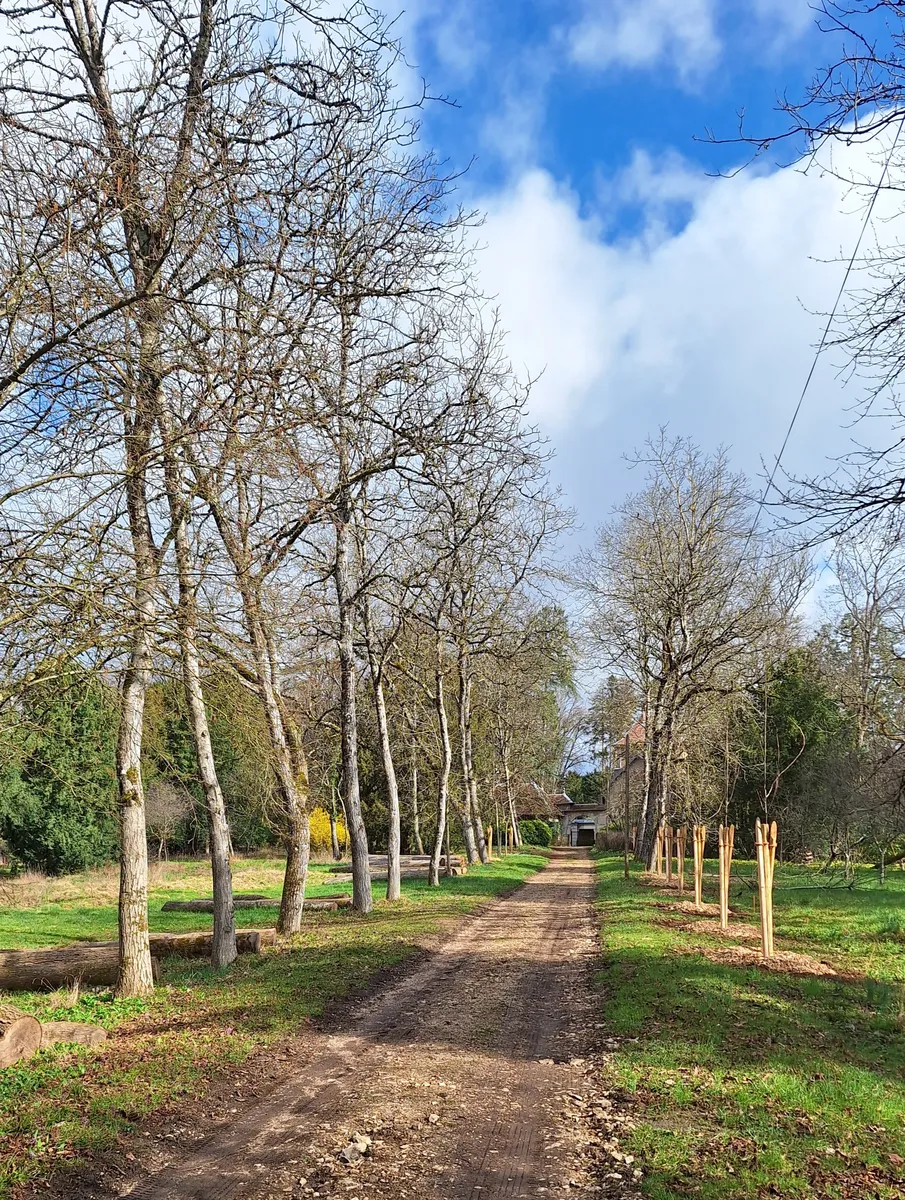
(753, 1084)
(65, 1102)
(39, 911)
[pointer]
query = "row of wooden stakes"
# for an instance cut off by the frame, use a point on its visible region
(671, 843)
(506, 846)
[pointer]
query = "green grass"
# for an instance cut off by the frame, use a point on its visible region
(58, 911)
(64, 1102)
(748, 1083)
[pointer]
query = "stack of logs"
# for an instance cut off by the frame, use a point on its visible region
(22, 1035)
(319, 904)
(96, 964)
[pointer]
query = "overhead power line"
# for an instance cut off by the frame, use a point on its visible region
(829, 324)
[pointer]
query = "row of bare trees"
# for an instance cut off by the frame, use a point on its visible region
(252, 404)
(696, 608)
(745, 712)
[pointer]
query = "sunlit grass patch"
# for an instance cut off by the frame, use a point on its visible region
(747, 1083)
(66, 1102)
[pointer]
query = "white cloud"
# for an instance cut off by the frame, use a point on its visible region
(788, 18)
(453, 30)
(688, 35)
(709, 327)
(642, 33)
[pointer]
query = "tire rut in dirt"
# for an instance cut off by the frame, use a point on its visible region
(489, 1013)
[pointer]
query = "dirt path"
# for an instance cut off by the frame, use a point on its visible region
(471, 1079)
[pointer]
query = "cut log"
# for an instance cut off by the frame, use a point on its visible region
(208, 905)
(28, 970)
(20, 1035)
(411, 865)
(54, 1032)
(198, 945)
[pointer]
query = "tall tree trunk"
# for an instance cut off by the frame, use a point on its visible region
(334, 836)
(289, 764)
(473, 786)
(443, 774)
(512, 815)
(135, 971)
(298, 848)
(657, 783)
(466, 812)
(223, 942)
(394, 835)
(290, 769)
(362, 900)
(416, 818)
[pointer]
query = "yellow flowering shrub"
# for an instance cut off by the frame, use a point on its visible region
(320, 830)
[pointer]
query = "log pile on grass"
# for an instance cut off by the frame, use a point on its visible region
(22, 1035)
(34, 970)
(206, 905)
(96, 964)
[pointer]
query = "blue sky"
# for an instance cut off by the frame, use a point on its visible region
(647, 289)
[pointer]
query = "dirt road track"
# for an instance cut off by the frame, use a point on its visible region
(471, 1079)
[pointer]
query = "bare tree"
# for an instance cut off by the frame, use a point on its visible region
(685, 596)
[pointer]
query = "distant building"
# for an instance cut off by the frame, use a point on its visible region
(637, 736)
(615, 795)
(580, 823)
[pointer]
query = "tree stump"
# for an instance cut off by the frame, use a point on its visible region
(20, 1035)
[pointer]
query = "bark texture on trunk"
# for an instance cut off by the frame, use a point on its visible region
(416, 816)
(657, 783)
(443, 774)
(136, 977)
(394, 835)
(362, 899)
(135, 970)
(465, 809)
(467, 755)
(223, 942)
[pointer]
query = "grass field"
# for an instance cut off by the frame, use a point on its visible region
(199, 1023)
(748, 1083)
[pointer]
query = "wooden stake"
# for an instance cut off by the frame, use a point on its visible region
(727, 843)
(771, 867)
(700, 837)
(681, 839)
(626, 823)
(765, 845)
(661, 849)
(668, 835)
(489, 837)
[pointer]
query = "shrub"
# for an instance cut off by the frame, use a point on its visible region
(536, 833)
(58, 795)
(320, 830)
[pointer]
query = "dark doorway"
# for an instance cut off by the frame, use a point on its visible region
(584, 836)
